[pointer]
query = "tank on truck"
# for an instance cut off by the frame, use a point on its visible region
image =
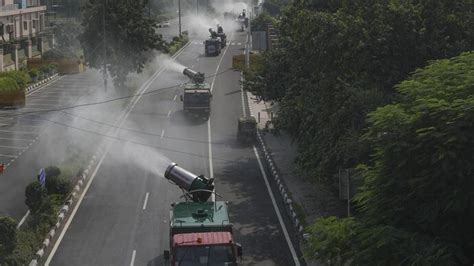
(196, 225)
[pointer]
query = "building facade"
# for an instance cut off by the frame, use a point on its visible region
(22, 31)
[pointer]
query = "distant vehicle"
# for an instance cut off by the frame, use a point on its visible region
(164, 24)
(247, 130)
(197, 95)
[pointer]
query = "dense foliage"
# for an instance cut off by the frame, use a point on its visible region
(130, 36)
(21, 77)
(7, 236)
(339, 60)
(8, 85)
(416, 204)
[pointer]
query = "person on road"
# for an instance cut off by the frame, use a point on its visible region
(219, 28)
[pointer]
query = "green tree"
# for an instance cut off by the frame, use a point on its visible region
(416, 202)
(7, 236)
(35, 196)
(130, 36)
(339, 60)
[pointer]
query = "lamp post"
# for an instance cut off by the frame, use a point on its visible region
(179, 17)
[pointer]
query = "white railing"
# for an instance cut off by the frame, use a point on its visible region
(9, 7)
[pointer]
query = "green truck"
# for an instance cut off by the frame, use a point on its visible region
(196, 96)
(200, 230)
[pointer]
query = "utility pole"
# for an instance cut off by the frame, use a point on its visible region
(179, 16)
(197, 7)
(104, 46)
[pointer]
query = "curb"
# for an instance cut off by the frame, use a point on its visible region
(278, 182)
(39, 83)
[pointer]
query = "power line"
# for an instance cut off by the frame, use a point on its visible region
(138, 131)
(133, 142)
(101, 102)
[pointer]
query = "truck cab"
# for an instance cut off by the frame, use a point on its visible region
(201, 234)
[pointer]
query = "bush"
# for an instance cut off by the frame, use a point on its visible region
(52, 171)
(58, 185)
(33, 72)
(35, 196)
(8, 85)
(21, 77)
(7, 236)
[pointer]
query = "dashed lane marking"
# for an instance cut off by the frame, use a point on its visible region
(162, 134)
(9, 156)
(13, 147)
(146, 201)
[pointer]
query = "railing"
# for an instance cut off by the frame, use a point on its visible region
(9, 7)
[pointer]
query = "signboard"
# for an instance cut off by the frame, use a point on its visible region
(42, 177)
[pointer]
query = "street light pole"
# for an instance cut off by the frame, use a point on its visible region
(105, 48)
(179, 16)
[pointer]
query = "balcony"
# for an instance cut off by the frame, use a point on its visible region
(10, 7)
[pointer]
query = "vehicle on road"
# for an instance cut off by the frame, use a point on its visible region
(247, 129)
(221, 35)
(164, 24)
(243, 21)
(212, 46)
(197, 95)
(200, 231)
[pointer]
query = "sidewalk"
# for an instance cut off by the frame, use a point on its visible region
(308, 200)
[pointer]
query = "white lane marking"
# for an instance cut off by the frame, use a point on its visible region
(13, 147)
(211, 167)
(18, 132)
(169, 113)
(242, 93)
(132, 262)
(277, 211)
(146, 201)
(9, 156)
(23, 219)
(30, 140)
(239, 43)
(162, 133)
(219, 64)
(174, 98)
(233, 43)
(123, 118)
(16, 125)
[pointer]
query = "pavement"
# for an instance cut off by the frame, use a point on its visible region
(124, 212)
(314, 200)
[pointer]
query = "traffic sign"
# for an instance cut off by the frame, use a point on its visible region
(42, 177)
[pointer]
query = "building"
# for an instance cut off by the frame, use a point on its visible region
(22, 31)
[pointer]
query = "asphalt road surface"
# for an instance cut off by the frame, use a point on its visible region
(123, 217)
(31, 138)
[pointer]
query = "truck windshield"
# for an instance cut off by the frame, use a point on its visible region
(204, 255)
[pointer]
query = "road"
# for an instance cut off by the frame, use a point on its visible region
(31, 138)
(123, 217)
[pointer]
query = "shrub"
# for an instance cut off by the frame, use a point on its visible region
(33, 72)
(35, 196)
(52, 171)
(8, 85)
(21, 77)
(58, 185)
(7, 236)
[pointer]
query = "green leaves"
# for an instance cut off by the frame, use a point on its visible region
(130, 37)
(7, 236)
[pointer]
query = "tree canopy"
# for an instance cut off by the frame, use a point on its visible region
(416, 204)
(130, 36)
(338, 60)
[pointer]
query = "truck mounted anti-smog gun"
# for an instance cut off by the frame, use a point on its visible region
(200, 230)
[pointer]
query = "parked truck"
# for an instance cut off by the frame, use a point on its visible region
(200, 230)
(197, 95)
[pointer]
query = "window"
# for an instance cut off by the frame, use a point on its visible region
(25, 25)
